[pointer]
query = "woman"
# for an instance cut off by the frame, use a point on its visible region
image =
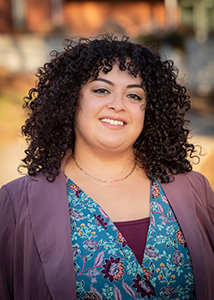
(110, 208)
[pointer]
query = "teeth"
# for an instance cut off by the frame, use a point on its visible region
(113, 122)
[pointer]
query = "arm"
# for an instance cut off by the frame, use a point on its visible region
(205, 195)
(209, 199)
(7, 232)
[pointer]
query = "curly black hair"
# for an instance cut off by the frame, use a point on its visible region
(161, 149)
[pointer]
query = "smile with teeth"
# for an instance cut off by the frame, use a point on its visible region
(113, 122)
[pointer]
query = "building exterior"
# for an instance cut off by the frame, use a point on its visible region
(91, 17)
(86, 17)
(198, 14)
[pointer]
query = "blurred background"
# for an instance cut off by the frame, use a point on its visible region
(182, 30)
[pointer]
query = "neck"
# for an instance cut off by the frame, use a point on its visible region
(105, 167)
(104, 180)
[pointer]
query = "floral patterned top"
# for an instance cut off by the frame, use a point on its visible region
(106, 267)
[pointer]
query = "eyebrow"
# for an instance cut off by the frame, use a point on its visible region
(135, 86)
(104, 80)
(111, 83)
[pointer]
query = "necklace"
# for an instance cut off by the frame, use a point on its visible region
(102, 180)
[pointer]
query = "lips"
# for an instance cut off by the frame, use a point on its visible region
(112, 122)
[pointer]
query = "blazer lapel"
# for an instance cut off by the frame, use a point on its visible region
(180, 195)
(49, 214)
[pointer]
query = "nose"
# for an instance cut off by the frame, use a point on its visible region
(117, 103)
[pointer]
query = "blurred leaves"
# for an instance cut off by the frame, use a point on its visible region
(173, 38)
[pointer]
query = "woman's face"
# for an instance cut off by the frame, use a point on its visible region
(111, 112)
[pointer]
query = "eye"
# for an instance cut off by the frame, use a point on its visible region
(134, 97)
(101, 91)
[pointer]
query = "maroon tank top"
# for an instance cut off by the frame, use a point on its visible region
(135, 233)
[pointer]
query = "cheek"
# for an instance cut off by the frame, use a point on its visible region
(140, 118)
(89, 105)
(86, 115)
(81, 117)
(140, 114)
(83, 110)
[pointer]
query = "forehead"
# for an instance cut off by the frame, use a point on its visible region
(116, 71)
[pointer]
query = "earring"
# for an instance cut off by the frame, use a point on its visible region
(143, 107)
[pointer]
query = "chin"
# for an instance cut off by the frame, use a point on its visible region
(114, 146)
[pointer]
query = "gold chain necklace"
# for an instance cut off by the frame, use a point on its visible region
(102, 180)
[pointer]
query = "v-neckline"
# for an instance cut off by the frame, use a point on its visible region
(114, 230)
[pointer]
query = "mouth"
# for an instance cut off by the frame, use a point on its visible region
(112, 122)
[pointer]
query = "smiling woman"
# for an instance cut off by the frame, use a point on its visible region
(161, 148)
(111, 208)
(110, 114)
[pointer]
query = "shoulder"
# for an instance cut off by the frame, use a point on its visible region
(193, 175)
(197, 185)
(194, 180)
(16, 186)
(196, 177)
(16, 190)
(190, 186)
(27, 187)
(12, 192)
(190, 179)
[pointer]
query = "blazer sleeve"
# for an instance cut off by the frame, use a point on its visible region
(204, 192)
(209, 200)
(7, 231)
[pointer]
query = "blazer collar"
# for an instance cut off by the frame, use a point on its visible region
(49, 214)
(180, 195)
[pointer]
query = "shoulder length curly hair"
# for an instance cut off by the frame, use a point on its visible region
(161, 149)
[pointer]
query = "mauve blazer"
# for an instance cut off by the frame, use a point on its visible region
(36, 259)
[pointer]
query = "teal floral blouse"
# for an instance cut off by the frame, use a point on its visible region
(105, 266)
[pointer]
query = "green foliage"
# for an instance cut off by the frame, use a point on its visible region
(175, 39)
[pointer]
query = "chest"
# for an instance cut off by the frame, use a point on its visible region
(123, 201)
(104, 260)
